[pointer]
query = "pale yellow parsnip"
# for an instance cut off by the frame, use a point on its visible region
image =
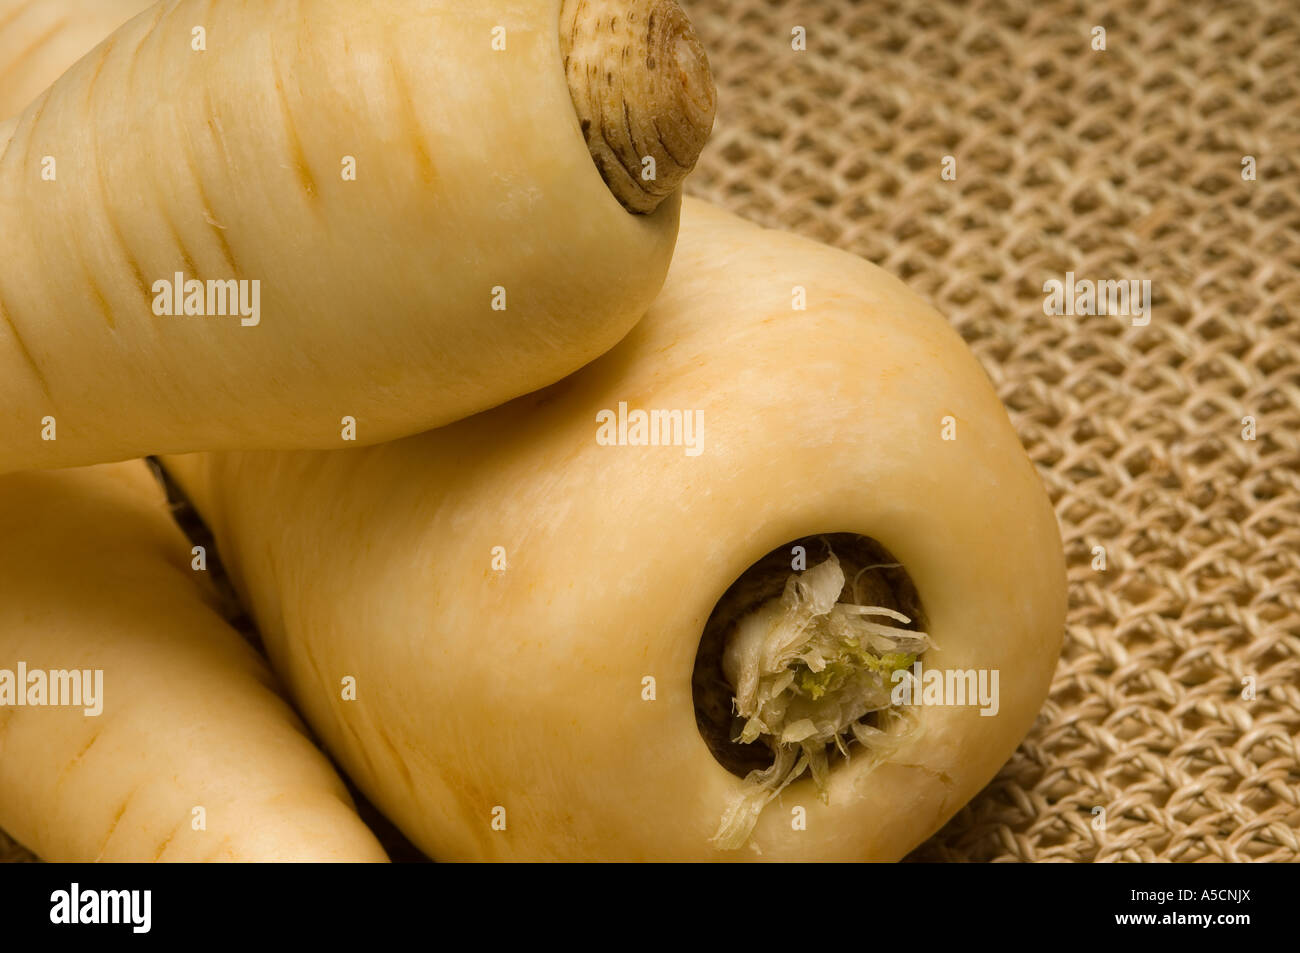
(97, 576)
(39, 39)
(523, 688)
(379, 297)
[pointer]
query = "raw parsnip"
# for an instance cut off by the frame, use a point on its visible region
(185, 730)
(302, 223)
(522, 596)
(39, 39)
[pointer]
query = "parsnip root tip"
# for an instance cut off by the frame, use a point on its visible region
(643, 92)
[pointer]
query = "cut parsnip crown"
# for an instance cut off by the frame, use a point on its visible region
(641, 84)
(804, 670)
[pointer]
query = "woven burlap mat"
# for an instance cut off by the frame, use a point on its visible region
(1117, 164)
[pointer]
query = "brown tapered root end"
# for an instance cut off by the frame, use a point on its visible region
(643, 92)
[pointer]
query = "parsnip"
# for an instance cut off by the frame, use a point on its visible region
(96, 578)
(387, 215)
(39, 39)
(502, 589)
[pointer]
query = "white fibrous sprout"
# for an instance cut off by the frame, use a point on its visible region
(806, 668)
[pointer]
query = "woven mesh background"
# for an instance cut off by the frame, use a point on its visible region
(1114, 165)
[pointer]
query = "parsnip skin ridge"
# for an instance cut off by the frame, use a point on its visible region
(522, 688)
(39, 39)
(377, 295)
(96, 575)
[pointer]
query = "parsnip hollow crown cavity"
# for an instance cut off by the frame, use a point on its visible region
(336, 224)
(804, 658)
(521, 684)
